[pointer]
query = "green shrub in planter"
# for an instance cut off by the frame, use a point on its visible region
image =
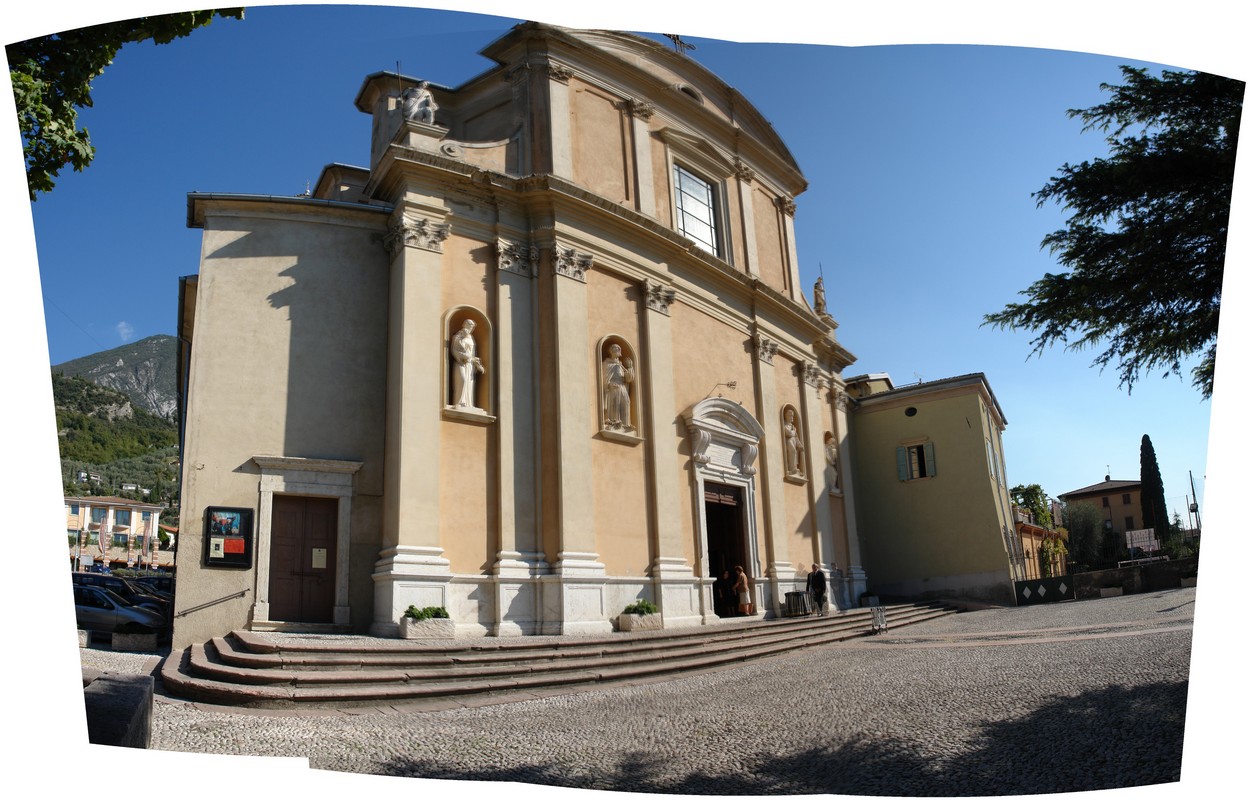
(641, 607)
(426, 613)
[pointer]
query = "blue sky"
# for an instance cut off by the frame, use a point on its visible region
(920, 159)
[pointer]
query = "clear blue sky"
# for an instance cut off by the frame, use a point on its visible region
(921, 160)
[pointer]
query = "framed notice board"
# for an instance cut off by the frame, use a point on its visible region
(228, 537)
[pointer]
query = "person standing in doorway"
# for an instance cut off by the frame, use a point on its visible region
(816, 586)
(742, 589)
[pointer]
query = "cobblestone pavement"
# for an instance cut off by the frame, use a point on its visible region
(1068, 697)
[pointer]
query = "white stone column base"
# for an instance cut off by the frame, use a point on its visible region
(408, 575)
(518, 596)
(574, 597)
(782, 575)
(856, 585)
(677, 592)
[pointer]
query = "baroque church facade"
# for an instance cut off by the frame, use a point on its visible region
(547, 355)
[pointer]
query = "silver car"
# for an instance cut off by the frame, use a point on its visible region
(98, 609)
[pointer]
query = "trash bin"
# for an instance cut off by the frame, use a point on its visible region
(796, 604)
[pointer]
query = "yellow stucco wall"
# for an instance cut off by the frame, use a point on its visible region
(944, 525)
(601, 144)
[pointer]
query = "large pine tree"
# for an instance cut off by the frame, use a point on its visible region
(1154, 508)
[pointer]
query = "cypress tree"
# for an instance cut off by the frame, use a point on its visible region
(1154, 509)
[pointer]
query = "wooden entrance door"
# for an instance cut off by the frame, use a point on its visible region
(302, 559)
(726, 547)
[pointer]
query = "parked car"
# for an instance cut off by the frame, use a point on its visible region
(160, 586)
(130, 593)
(101, 610)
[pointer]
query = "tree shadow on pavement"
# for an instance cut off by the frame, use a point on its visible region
(1111, 737)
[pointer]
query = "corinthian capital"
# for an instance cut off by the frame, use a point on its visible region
(517, 257)
(416, 232)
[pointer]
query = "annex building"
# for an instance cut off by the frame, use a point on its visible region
(546, 355)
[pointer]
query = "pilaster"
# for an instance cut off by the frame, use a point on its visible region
(778, 568)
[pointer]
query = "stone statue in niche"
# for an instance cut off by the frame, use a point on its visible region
(618, 374)
(831, 459)
(794, 446)
(418, 103)
(465, 367)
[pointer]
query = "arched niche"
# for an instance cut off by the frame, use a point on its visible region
(619, 377)
(475, 402)
(792, 444)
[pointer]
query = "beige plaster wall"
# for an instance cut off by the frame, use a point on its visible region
(799, 522)
(946, 525)
(707, 352)
(622, 499)
(600, 142)
(769, 243)
(288, 358)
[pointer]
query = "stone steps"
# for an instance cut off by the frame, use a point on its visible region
(247, 669)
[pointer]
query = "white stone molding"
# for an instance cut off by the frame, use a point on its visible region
(659, 297)
(324, 478)
(765, 348)
(786, 205)
(571, 263)
(416, 232)
(724, 437)
(517, 257)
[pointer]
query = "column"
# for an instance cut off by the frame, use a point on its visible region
(573, 596)
(856, 580)
(410, 568)
(520, 559)
(778, 569)
(817, 487)
(678, 592)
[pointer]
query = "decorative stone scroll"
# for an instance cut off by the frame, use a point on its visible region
(659, 297)
(559, 72)
(639, 108)
(516, 257)
(570, 263)
(724, 437)
(765, 348)
(416, 232)
(742, 171)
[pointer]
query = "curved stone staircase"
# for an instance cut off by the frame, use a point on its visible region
(253, 669)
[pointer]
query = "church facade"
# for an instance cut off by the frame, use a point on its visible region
(546, 355)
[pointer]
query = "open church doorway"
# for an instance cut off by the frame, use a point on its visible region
(726, 545)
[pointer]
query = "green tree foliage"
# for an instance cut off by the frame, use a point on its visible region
(1085, 535)
(1154, 509)
(1033, 498)
(52, 77)
(1146, 240)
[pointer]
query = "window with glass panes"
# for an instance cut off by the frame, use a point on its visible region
(696, 209)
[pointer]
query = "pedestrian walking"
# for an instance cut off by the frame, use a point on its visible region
(742, 589)
(816, 586)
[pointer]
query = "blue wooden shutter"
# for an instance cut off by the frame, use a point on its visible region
(930, 464)
(900, 455)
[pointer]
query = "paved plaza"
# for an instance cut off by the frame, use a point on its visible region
(1076, 696)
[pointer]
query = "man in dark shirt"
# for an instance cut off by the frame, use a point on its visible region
(816, 588)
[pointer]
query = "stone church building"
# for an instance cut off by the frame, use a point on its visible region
(547, 355)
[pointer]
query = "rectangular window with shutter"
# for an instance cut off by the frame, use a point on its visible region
(915, 461)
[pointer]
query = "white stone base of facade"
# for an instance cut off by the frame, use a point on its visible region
(517, 594)
(677, 593)
(855, 584)
(574, 597)
(407, 575)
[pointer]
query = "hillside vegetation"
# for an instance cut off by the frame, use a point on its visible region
(100, 431)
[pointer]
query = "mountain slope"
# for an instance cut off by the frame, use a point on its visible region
(145, 371)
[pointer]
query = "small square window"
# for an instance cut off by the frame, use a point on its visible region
(1128, 499)
(1106, 502)
(1128, 524)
